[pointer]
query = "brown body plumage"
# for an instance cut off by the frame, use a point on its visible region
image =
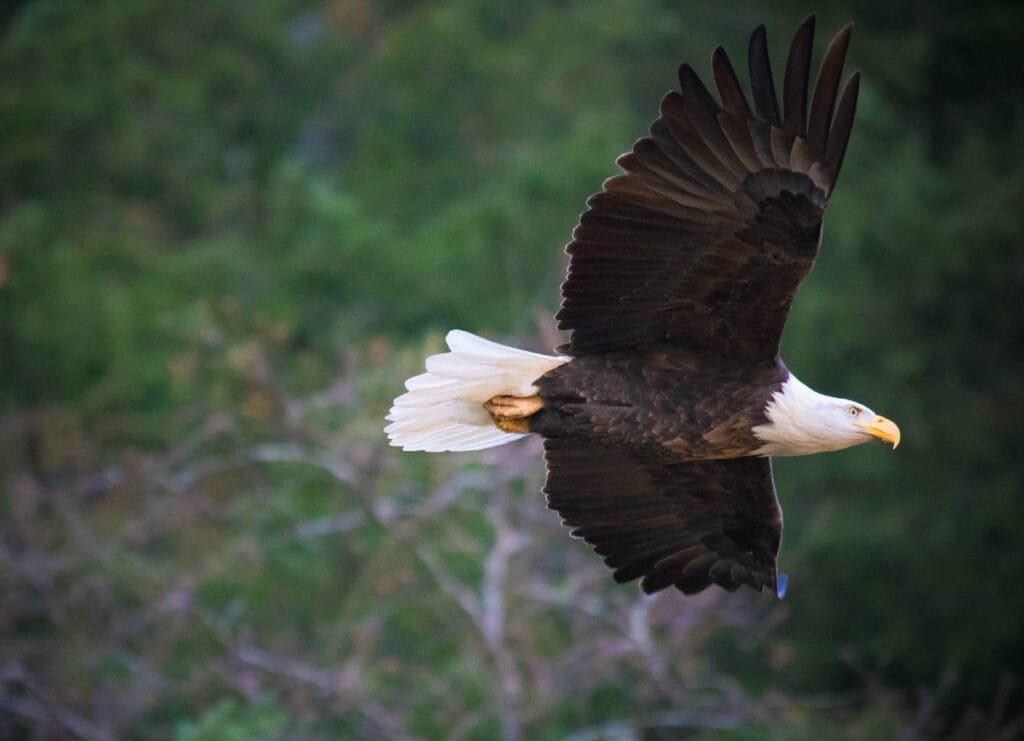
(662, 398)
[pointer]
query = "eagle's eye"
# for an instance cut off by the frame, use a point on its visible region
(854, 411)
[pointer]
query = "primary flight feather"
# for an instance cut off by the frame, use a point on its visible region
(662, 413)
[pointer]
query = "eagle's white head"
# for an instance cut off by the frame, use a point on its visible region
(802, 421)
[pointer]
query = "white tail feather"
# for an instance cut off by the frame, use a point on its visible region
(443, 408)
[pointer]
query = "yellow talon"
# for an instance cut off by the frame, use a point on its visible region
(511, 413)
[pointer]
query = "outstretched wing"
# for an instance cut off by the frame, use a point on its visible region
(705, 239)
(683, 524)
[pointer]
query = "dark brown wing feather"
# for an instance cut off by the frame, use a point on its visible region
(705, 239)
(684, 524)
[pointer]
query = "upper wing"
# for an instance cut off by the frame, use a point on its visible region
(705, 239)
(688, 524)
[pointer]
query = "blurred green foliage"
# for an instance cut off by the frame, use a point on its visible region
(227, 721)
(229, 230)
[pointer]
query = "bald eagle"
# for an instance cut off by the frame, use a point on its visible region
(662, 413)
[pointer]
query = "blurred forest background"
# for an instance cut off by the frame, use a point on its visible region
(228, 232)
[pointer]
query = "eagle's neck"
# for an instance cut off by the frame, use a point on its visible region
(796, 422)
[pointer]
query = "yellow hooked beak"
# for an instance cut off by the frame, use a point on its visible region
(882, 428)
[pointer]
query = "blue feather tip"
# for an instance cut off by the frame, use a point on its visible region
(780, 585)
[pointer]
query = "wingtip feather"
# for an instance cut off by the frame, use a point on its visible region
(796, 77)
(761, 82)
